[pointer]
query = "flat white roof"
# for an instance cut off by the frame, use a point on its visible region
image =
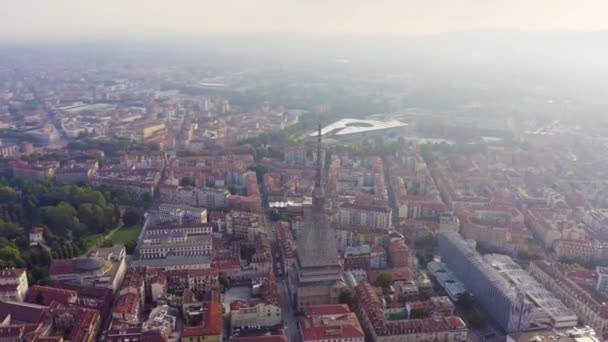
(353, 126)
(542, 297)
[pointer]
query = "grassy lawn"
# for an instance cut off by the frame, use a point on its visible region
(126, 234)
(91, 242)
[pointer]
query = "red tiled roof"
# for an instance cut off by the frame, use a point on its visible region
(11, 272)
(398, 244)
(51, 294)
(127, 303)
(368, 207)
(133, 278)
(20, 312)
(270, 291)
(372, 308)
(203, 272)
(152, 336)
(455, 322)
(86, 322)
(238, 304)
(330, 309)
(62, 266)
(331, 333)
(272, 338)
(378, 249)
(223, 264)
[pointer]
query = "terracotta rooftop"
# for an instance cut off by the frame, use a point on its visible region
(127, 303)
(37, 230)
(51, 294)
(22, 312)
(372, 307)
(11, 272)
(63, 266)
(332, 333)
(271, 338)
(330, 309)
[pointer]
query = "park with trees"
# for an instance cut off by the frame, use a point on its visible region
(76, 218)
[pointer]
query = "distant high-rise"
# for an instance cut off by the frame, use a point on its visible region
(318, 269)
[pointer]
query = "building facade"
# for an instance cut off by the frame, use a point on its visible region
(13, 284)
(507, 306)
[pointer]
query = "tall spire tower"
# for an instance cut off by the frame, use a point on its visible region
(319, 272)
(318, 194)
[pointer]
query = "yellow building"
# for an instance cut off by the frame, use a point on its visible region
(150, 130)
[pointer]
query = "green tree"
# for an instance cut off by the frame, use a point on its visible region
(274, 215)
(428, 240)
(223, 280)
(476, 319)
(465, 301)
(233, 189)
(132, 217)
(61, 219)
(416, 313)
(347, 297)
(7, 194)
(67, 252)
(130, 247)
(146, 200)
(247, 253)
(260, 171)
(186, 181)
(384, 280)
(10, 256)
(92, 216)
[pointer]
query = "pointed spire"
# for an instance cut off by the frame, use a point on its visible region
(319, 164)
(318, 193)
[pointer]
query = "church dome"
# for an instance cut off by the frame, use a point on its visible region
(89, 264)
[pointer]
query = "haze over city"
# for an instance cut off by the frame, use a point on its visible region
(303, 171)
(73, 19)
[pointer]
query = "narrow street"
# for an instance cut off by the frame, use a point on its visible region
(391, 194)
(289, 316)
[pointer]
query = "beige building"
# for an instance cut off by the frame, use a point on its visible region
(244, 225)
(374, 216)
(264, 311)
(181, 213)
(262, 314)
(162, 245)
(13, 284)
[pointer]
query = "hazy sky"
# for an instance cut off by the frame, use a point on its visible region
(44, 19)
